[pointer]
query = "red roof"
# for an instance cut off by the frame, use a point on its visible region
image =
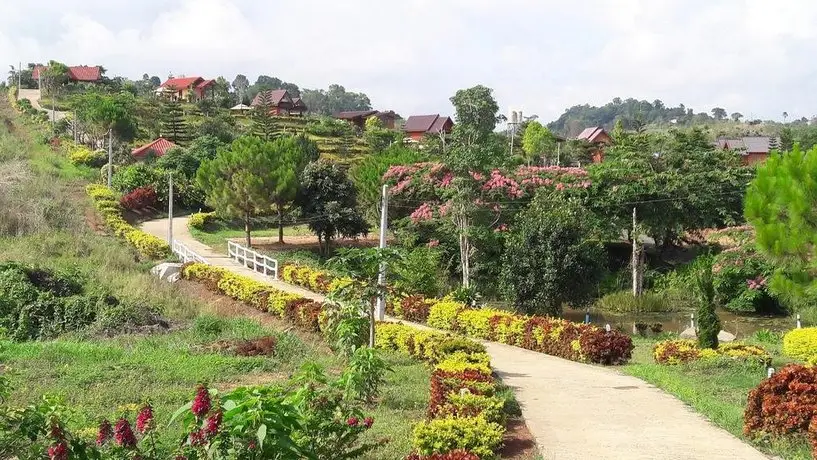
(205, 84)
(596, 133)
(159, 147)
(75, 73)
(351, 115)
(427, 124)
(181, 82)
(276, 96)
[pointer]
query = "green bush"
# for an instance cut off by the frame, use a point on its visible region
(200, 220)
(625, 302)
(138, 175)
(740, 280)
(420, 272)
(474, 434)
(709, 325)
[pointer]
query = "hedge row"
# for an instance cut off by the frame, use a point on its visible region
(458, 420)
(801, 344)
(684, 351)
(106, 202)
(465, 417)
(553, 336)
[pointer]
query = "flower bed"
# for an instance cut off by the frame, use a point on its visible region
(683, 351)
(785, 404)
(465, 417)
(106, 202)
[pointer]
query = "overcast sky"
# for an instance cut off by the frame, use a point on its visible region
(541, 56)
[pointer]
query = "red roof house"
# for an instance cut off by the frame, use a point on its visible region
(359, 117)
(298, 107)
(81, 73)
(599, 138)
(280, 100)
(185, 88)
(158, 148)
(418, 126)
(753, 149)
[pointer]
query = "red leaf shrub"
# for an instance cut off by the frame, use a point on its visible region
(453, 455)
(139, 198)
(443, 383)
(602, 347)
(785, 404)
(305, 313)
(415, 308)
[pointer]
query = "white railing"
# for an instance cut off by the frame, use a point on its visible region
(186, 254)
(253, 260)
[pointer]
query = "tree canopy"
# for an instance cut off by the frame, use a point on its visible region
(334, 99)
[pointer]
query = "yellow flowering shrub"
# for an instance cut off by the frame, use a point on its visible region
(473, 434)
(278, 300)
(469, 404)
(682, 351)
(200, 220)
(443, 314)
(800, 344)
(148, 245)
(477, 322)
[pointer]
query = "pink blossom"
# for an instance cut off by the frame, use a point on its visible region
(422, 213)
(433, 243)
(444, 209)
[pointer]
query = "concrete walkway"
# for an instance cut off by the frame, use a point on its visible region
(33, 95)
(574, 411)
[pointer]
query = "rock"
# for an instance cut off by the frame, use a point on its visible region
(165, 271)
(723, 336)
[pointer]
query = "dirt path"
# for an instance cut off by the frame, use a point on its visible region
(33, 95)
(574, 411)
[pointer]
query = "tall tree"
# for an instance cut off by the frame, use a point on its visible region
(98, 112)
(785, 116)
(291, 159)
(263, 122)
(538, 142)
(718, 113)
(736, 116)
(367, 174)
(329, 200)
(780, 207)
(709, 325)
(174, 125)
(241, 84)
(238, 181)
(334, 99)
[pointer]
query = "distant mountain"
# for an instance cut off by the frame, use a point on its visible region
(632, 112)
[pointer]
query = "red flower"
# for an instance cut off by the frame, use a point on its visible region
(105, 433)
(433, 243)
(144, 421)
(56, 431)
(180, 457)
(197, 438)
(368, 422)
(202, 404)
(352, 421)
(212, 424)
(251, 445)
(58, 451)
(123, 434)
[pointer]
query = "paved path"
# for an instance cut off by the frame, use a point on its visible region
(574, 411)
(33, 95)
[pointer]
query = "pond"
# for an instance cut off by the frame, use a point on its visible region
(740, 325)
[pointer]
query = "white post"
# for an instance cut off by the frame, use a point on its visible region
(799, 325)
(110, 156)
(19, 78)
(692, 320)
(607, 327)
(769, 372)
(170, 209)
(635, 261)
(380, 312)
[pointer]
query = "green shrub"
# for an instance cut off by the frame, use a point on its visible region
(148, 245)
(474, 434)
(138, 175)
(740, 281)
(208, 325)
(200, 220)
(625, 302)
(420, 272)
(800, 344)
(709, 325)
(473, 405)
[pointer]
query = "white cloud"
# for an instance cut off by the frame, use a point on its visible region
(412, 55)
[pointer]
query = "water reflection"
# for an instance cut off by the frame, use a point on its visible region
(741, 326)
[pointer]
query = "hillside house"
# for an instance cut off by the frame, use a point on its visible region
(599, 138)
(419, 126)
(281, 101)
(76, 74)
(358, 117)
(753, 149)
(186, 88)
(157, 148)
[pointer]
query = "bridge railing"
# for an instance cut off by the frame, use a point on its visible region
(253, 259)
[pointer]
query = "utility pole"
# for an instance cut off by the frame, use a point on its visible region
(170, 210)
(19, 78)
(381, 277)
(110, 156)
(636, 259)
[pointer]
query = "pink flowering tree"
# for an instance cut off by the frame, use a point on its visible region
(461, 201)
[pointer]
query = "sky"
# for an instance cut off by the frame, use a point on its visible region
(540, 56)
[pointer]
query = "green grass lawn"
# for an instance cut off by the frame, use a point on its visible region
(717, 391)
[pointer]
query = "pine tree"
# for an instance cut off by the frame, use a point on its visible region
(174, 126)
(263, 120)
(709, 325)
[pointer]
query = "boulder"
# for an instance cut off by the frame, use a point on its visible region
(166, 271)
(723, 336)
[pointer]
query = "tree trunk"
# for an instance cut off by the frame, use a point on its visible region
(465, 249)
(280, 223)
(247, 229)
(371, 324)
